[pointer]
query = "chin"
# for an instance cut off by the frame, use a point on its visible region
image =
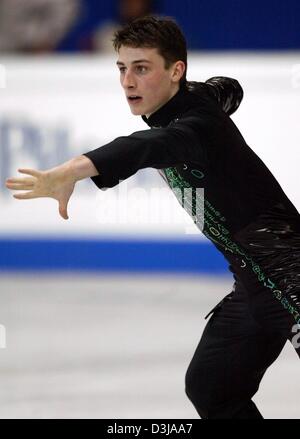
(136, 112)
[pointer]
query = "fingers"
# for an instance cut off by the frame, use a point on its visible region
(37, 186)
(23, 183)
(63, 210)
(19, 185)
(25, 196)
(32, 172)
(20, 180)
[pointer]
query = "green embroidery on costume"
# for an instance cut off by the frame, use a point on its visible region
(216, 232)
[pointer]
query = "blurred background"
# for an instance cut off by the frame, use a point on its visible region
(100, 315)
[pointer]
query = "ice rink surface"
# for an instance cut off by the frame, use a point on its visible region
(115, 346)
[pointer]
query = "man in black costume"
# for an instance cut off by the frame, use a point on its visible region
(245, 213)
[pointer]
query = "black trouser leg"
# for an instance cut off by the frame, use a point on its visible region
(230, 361)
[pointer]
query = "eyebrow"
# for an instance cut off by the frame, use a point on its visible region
(120, 63)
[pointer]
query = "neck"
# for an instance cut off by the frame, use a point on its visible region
(173, 93)
(173, 108)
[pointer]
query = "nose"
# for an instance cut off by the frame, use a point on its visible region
(128, 80)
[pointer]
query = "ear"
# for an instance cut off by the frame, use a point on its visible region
(178, 71)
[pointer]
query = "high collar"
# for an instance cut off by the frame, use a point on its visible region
(172, 109)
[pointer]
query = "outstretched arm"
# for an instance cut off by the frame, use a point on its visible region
(118, 160)
(187, 140)
(57, 183)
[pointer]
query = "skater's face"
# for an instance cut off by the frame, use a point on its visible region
(146, 81)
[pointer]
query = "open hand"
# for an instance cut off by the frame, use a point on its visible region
(55, 183)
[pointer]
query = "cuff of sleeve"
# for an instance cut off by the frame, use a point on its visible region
(105, 178)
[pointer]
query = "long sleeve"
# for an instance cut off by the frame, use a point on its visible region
(180, 142)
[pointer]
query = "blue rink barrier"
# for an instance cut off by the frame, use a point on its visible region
(110, 255)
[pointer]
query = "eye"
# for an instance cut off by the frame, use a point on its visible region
(122, 69)
(142, 69)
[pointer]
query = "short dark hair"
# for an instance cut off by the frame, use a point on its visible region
(162, 33)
